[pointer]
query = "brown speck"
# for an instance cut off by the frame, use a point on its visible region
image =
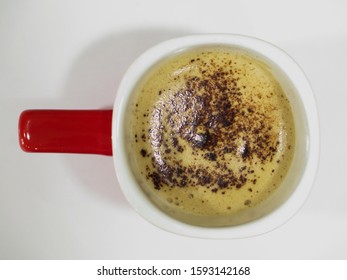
(174, 142)
(222, 183)
(245, 151)
(247, 202)
(143, 152)
(156, 180)
(211, 156)
(180, 148)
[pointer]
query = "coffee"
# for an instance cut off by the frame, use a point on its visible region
(210, 134)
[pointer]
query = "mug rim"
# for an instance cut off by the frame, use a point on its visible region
(133, 192)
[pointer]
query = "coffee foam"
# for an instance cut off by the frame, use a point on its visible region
(211, 134)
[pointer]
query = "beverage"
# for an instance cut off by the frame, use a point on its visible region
(210, 134)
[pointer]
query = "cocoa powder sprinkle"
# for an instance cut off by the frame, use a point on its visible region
(210, 115)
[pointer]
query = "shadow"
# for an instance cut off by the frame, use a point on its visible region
(92, 84)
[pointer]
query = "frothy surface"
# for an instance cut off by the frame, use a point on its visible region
(211, 132)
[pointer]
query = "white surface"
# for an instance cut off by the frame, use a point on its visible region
(72, 54)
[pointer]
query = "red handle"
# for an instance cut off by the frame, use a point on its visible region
(66, 131)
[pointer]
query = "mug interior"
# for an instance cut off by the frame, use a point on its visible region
(294, 189)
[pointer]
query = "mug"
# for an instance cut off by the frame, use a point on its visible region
(103, 132)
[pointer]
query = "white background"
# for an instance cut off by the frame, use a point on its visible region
(72, 54)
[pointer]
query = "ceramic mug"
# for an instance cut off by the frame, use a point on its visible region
(103, 132)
